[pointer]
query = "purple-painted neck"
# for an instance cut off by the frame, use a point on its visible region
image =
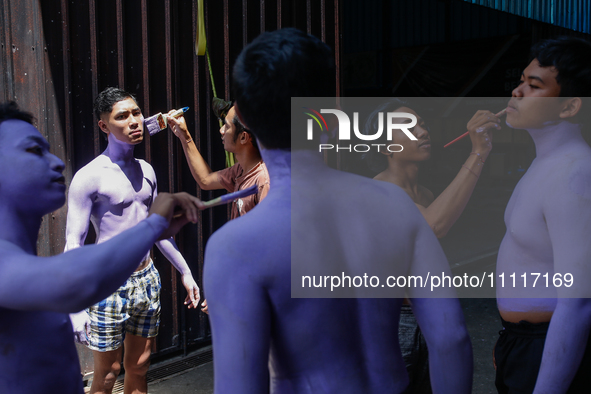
(278, 164)
(119, 151)
(552, 136)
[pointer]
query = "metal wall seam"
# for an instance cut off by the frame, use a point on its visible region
(323, 20)
(146, 75)
(95, 71)
(279, 7)
(262, 16)
(244, 23)
(208, 97)
(168, 42)
(308, 17)
(197, 140)
(68, 120)
(120, 44)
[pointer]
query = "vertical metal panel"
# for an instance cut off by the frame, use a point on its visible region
(120, 44)
(308, 16)
(145, 73)
(262, 16)
(6, 81)
(94, 70)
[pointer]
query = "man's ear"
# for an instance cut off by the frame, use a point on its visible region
(239, 114)
(103, 126)
(571, 107)
(244, 137)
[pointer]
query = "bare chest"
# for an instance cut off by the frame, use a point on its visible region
(527, 230)
(119, 192)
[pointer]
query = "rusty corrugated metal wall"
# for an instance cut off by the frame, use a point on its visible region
(56, 56)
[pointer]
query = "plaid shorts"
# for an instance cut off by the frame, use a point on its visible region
(133, 308)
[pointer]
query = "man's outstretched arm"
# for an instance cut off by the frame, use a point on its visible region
(71, 281)
(202, 173)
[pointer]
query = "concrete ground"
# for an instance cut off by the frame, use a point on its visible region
(198, 380)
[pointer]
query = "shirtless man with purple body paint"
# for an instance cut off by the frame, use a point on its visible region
(266, 341)
(114, 192)
(544, 347)
(37, 353)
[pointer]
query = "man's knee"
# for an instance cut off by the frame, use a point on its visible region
(105, 376)
(137, 367)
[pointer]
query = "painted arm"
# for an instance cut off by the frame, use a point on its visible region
(79, 210)
(76, 279)
(206, 179)
(77, 223)
(565, 345)
(568, 216)
(445, 210)
(240, 316)
(441, 320)
(170, 250)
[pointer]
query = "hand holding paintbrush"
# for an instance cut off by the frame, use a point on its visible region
(226, 198)
(159, 122)
(480, 122)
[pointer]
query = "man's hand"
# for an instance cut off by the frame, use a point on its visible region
(178, 126)
(81, 326)
(193, 296)
(178, 209)
(204, 307)
(480, 129)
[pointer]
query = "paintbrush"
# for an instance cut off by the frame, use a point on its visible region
(159, 122)
(226, 198)
(501, 113)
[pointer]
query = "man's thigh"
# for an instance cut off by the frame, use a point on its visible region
(137, 351)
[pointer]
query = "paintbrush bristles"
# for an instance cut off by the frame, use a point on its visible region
(156, 123)
(159, 122)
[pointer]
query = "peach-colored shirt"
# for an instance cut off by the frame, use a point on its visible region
(233, 179)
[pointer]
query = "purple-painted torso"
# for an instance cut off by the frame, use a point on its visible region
(547, 206)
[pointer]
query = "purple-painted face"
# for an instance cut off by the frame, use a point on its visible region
(125, 122)
(30, 177)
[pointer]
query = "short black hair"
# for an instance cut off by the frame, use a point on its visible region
(241, 128)
(271, 70)
(10, 110)
(106, 99)
(570, 56)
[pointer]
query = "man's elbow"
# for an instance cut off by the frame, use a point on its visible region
(205, 182)
(438, 230)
